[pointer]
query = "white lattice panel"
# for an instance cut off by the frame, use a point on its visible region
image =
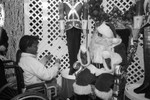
(41, 18)
(122, 5)
(136, 69)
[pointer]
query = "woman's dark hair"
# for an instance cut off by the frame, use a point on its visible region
(18, 56)
(27, 41)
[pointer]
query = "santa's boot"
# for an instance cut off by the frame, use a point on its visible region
(147, 93)
(142, 89)
(97, 98)
(103, 86)
(82, 87)
(82, 97)
(82, 92)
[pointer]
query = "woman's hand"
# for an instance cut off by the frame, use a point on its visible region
(45, 59)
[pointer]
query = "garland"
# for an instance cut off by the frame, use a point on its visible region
(96, 12)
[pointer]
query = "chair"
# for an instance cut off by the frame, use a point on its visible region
(120, 70)
(7, 89)
(49, 91)
(46, 87)
(30, 96)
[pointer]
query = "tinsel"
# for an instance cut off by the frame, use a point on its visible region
(97, 13)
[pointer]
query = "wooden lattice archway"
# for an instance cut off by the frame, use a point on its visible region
(40, 17)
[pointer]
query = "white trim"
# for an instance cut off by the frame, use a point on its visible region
(103, 95)
(82, 90)
(88, 57)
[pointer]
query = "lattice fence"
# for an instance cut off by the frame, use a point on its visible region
(136, 69)
(122, 5)
(41, 18)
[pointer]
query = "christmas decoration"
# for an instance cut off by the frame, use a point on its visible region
(97, 13)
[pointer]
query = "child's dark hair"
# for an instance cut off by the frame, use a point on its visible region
(27, 41)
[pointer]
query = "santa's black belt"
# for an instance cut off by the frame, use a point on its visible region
(98, 65)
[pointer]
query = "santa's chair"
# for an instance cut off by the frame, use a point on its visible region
(120, 69)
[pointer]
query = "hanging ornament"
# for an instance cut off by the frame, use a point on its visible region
(97, 13)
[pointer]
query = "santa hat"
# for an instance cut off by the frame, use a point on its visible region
(104, 86)
(105, 30)
(108, 31)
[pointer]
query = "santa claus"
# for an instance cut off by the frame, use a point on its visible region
(98, 63)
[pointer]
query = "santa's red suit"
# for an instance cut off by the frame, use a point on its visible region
(73, 15)
(98, 72)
